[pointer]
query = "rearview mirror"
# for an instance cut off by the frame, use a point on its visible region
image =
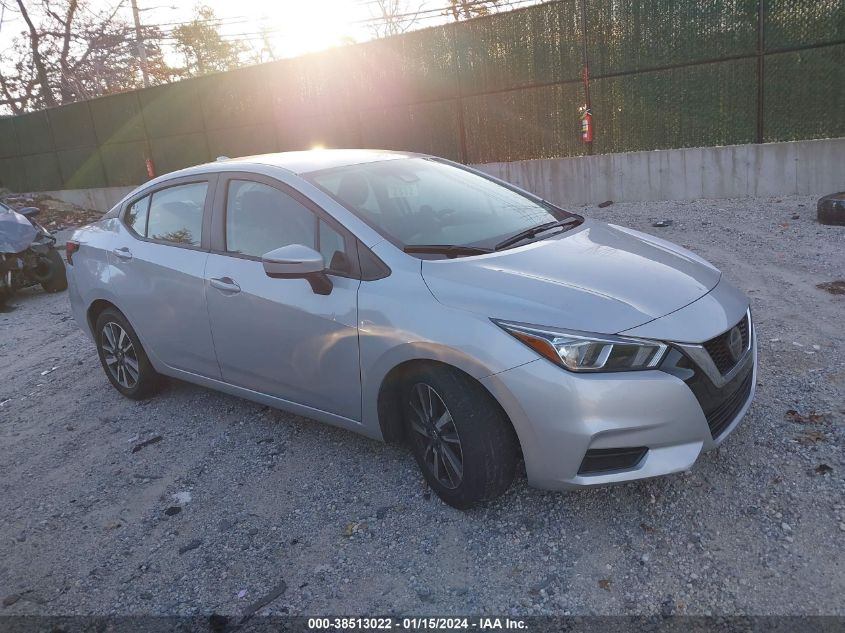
(297, 261)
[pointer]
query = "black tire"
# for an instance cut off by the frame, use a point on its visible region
(487, 445)
(831, 209)
(57, 279)
(133, 384)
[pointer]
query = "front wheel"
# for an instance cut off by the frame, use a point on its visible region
(54, 273)
(123, 359)
(462, 440)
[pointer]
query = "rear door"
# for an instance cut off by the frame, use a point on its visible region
(276, 336)
(157, 272)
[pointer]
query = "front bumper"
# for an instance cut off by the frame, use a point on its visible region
(559, 416)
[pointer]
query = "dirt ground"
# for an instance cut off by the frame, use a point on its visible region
(236, 505)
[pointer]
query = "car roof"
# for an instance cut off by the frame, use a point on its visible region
(317, 159)
(298, 162)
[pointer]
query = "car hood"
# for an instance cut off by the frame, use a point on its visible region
(596, 278)
(16, 232)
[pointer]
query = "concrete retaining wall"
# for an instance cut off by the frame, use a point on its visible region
(736, 171)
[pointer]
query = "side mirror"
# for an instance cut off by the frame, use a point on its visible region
(297, 261)
(29, 212)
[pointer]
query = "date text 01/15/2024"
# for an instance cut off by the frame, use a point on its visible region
(416, 624)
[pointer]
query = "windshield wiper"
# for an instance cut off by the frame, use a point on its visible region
(536, 230)
(450, 250)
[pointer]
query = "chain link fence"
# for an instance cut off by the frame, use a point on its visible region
(662, 74)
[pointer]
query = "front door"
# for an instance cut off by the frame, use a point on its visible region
(276, 336)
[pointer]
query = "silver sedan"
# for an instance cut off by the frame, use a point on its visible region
(416, 300)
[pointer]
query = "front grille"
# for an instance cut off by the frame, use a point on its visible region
(719, 349)
(720, 418)
(720, 405)
(606, 460)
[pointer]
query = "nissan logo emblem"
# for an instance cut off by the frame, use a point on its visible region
(735, 343)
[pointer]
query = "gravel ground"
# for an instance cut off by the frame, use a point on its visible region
(238, 504)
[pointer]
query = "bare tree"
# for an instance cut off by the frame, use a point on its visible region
(17, 84)
(466, 9)
(392, 17)
(204, 49)
(71, 50)
(264, 51)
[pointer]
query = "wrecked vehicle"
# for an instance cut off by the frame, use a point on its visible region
(28, 254)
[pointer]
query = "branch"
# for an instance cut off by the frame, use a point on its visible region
(71, 10)
(37, 60)
(16, 104)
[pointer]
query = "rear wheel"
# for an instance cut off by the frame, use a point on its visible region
(6, 288)
(462, 440)
(54, 273)
(123, 359)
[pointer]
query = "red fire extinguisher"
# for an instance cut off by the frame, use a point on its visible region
(151, 170)
(586, 124)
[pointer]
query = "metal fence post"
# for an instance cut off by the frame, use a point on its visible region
(761, 49)
(459, 91)
(585, 69)
(99, 145)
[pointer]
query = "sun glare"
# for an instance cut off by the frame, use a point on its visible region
(304, 27)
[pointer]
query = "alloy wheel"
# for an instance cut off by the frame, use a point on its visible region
(437, 434)
(119, 354)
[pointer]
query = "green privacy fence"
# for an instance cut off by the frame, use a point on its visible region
(662, 74)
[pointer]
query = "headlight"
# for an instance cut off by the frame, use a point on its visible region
(585, 352)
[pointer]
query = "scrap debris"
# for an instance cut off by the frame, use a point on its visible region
(54, 215)
(354, 528)
(145, 443)
(811, 418)
(811, 438)
(833, 287)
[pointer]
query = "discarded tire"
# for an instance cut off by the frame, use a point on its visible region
(831, 209)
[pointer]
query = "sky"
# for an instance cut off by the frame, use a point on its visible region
(296, 26)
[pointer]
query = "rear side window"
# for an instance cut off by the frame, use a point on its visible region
(175, 214)
(136, 215)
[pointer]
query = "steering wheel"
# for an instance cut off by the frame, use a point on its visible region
(442, 216)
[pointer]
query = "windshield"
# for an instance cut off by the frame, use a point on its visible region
(419, 201)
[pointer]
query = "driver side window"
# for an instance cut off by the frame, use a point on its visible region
(260, 218)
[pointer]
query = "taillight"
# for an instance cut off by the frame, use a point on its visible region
(70, 249)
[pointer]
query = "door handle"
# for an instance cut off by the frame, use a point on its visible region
(225, 284)
(122, 253)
